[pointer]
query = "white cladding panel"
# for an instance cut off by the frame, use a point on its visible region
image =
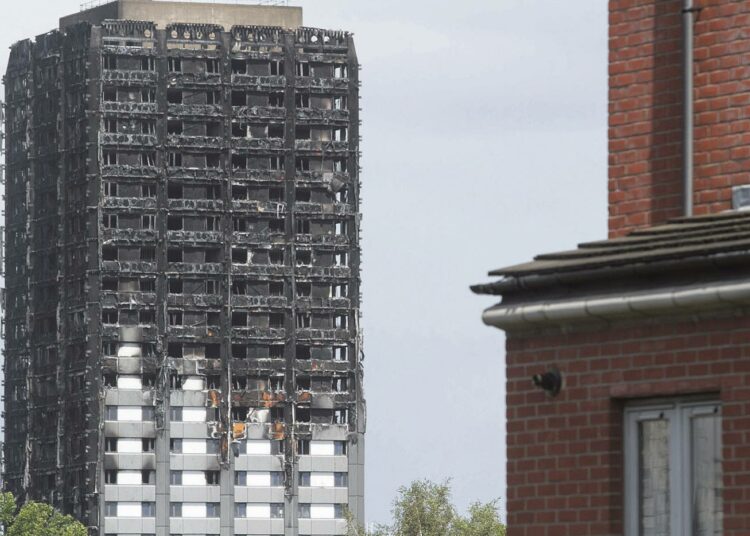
(129, 413)
(129, 445)
(259, 511)
(129, 382)
(129, 349)
(259, 479)
(322, 511)
(193, 478)
(258, 447)
(128, 509)
(193, 414)
(321, 448)
(193, 383)
(321, 480)
(129, 478)
(193, 509)
(193, 446)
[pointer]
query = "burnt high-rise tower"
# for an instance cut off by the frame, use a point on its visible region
(182, 271)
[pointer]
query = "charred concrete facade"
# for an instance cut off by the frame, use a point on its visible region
(183, 353)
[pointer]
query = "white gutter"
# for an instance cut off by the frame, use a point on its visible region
(672, 300)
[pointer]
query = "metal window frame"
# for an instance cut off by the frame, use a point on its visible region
(678, 413)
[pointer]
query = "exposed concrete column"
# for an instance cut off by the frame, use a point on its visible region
(227, 465)
(162, 389)
(291, 466)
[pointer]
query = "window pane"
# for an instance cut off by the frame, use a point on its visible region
(705, 434)
(654, 477)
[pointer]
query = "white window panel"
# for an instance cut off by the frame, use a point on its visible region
(129, 446)
(193, 414)
(193, 478)
(322, 511)
(258, 447)
(193, 446)
(129, 478)
(259, 479)
(129, 382)
(129, 349)
(128, 509)
(193, 383)
(194, 510)
(321, 480)
(259, 511)
(321, 448)
(129, 413)
(673, 473)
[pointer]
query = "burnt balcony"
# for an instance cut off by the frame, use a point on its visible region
(320, 116)
(327, 84)
(268, 237)
(129, 77)
(262, 269)
(139, 51)
(195, 300)
(325, 56)
(324, 209)
(318, 178)
(201, 332)
(258, 332)
(112, 331)
(273, 208)
(196, 204)
(113, 299)
(258, 144)
(323, 398)
(259, 175)
(124, 170)
(130, 107)
(204, 237)
(258, 112)
(194, 79)
(124, 267)
(261, 302)
(327, 335)
(129, 235)
(322, 365)
(141, 203)
(196, 110)
(201, 174)
(196, 267)
(203, 142)
(120, 139)
(322, 240)
(318, 146)
(259, 83)
(324, 303)
(324, 271)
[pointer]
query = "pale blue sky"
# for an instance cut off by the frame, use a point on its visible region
(484, 142)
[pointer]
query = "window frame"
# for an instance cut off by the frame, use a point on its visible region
(678, 413)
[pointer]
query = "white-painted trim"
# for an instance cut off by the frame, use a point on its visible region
(618, 306)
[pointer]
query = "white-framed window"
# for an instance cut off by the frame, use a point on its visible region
(673, 473)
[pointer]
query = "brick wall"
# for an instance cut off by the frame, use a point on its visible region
(565, 455)
(646, 109)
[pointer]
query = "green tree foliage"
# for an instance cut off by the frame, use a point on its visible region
(424, 508)
(36, 519)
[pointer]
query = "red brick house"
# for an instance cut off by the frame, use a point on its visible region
(628, 359)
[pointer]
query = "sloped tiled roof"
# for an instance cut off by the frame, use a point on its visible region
(683, 238)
